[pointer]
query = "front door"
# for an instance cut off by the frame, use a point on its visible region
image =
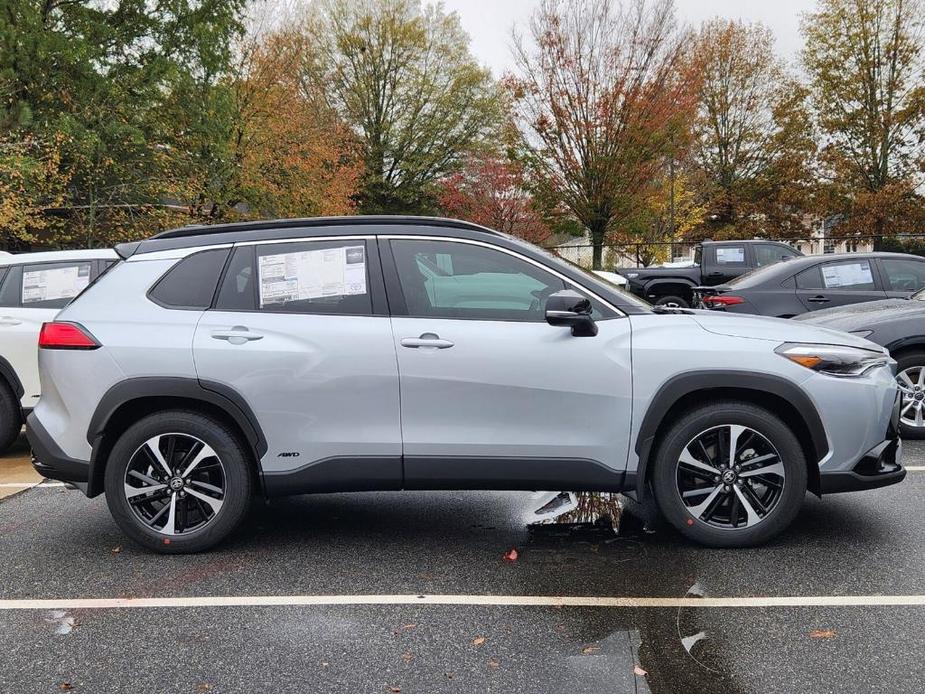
(491, 395)
(838, 283)
(299, 332)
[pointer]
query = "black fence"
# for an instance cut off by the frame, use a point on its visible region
(644, 254)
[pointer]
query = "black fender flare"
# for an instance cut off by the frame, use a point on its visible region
(9, 374)
(225, 398)
(721, 379)
(654, 284)
(914, 341)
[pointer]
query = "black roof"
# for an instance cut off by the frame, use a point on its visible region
(205, 234)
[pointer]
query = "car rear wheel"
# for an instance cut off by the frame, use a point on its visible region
(910, 375)
(10, 417)
(178, 482)
(729, 474)
(672, 302)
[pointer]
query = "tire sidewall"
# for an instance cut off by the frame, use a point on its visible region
(10, 417)
(672, 298)
(664, 483)
(238, 481)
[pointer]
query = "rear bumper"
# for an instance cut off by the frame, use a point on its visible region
(881, 466)
(50, 461)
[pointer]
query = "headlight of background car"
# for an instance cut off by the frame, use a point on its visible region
(835, 360)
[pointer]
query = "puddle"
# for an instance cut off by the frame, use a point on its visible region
(576, 510)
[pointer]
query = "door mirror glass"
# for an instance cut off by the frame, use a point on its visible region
(571, 309)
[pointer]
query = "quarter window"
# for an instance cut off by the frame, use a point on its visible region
(313, 277)
(446, 279)
(190, 283)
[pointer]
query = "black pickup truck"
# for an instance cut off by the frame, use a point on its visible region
(715, 262)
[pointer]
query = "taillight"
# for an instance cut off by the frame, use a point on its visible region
(723, 300)
(61, 335)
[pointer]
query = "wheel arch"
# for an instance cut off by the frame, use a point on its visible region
(784, 398)
(667, 287)
(906, 344)
(8, 374)
(130, 400)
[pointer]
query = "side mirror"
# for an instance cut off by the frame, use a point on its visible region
(570, 308)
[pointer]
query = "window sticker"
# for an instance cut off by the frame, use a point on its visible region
(56, 283)
(733, 254)
(312, 274)
(847, 275)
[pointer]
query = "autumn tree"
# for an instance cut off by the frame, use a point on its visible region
(601, 88)
(866, 64)
(753, 143)
(401, 76)
(492, 191)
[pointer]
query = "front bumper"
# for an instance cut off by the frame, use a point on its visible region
(50, 461)
(881, 466)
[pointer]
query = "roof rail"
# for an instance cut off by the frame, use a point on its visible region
(208, 229)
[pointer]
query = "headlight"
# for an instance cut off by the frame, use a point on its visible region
(834, 360)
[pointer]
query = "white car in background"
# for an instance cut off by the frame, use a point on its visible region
(33, 288)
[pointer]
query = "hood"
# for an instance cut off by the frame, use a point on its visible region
(865, 316)
(778, 330)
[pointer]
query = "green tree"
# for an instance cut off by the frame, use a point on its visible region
(866, 64)
(87, 80)
(401, 75)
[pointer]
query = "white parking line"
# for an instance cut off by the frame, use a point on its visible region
(915, 468)
(467, 600)
(27, 485)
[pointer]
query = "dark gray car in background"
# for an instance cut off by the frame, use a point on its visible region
(812, 283)
(898, 325)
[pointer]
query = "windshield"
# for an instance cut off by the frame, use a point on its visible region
(919, 295)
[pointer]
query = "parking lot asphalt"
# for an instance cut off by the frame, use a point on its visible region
(380, 549)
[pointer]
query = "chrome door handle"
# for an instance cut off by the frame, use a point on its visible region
(9, 320)
(426, 340)
(238, 335)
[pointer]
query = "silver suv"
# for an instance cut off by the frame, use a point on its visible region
(386, 353)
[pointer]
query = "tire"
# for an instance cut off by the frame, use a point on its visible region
(132, 463)
(10, 418)
(912, 364)
(672, 300)
(782, 488)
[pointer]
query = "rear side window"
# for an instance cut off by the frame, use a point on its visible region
(730, 255)
(191, 283)
(12, 285)
(239, 288)
(849, 275)
(314, 277)
(53, 285)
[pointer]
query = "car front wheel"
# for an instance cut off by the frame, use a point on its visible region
(729, 474)
(910, 375)
(178, 482)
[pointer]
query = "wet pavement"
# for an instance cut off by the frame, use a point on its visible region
(55, 543)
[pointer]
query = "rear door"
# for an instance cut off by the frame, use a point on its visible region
(902, 277)
(838, 283)
(724, 262)
(300, 329)
(31, 295)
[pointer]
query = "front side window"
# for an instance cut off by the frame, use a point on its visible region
(448, 279)
(312, 277)
(853, 275)
(903, 275)
(53, 285)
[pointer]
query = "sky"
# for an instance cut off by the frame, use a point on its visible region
(489, 22)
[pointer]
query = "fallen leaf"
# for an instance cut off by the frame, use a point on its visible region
(588, 650)
(65, 686)
(404, 627)
(449, 675)
(639, 672)
(395, 690)
(494, 664)
(116, 549)
(324, 663)
(204, 687)
(822, 634)
(407, 656)
(478, 640)
(511, 556)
